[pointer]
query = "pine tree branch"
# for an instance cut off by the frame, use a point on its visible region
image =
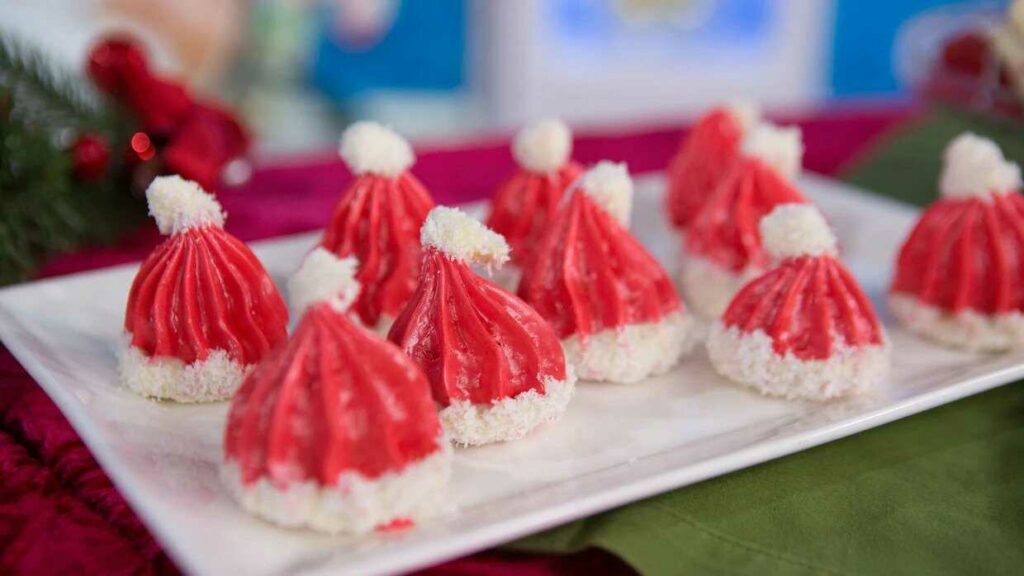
(43, 208)
(43, 92)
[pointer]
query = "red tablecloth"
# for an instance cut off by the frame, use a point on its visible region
(59, 514)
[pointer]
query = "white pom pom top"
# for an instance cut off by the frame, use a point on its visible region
(458, 236)
(974, 167)
(370, 148)
(746, 112)
(609, 184)
(543, 147)
(794, 230)
(778, 147)
(323, 277)
(178, 205)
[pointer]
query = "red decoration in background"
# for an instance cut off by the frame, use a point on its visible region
(207, 140)
(113, 61)
(142, 146)
(90, 156)
(967, 53)
(193, 138)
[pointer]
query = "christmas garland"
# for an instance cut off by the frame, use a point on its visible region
(57, 191)
(77, 153)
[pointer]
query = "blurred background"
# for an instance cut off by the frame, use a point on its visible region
(297, 71)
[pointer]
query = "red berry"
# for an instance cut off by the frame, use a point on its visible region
(90, 155)
(114, 62)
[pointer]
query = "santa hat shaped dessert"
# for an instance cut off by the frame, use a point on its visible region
(722, 247)
(704, 158)
(524, 203)
(959, 276)
(495, 367)
(202, 309)
(804, 329)
(335, 430)
(610, 302)
(378, 220)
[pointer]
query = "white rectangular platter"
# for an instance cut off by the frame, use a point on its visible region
(616, 444)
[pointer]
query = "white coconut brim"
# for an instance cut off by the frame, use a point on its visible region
(748, 358)
(709, 288)
(631, 353)
(967, 330)
(468, 424)
(211, 380)
(354, 504)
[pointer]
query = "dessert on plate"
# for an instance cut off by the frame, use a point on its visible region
(335, 429)
(202, 310)
(722, 247)
(610, 302)
(805, 328)
(704, 159)
(378, 219)
(523, 204)
(959, 276)
(495, 367)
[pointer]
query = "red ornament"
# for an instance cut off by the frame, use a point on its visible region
(190, 138)
(141, 146)
(205, 142)
(90, 156)
(114, 62)
(118, 66)
(161, 106)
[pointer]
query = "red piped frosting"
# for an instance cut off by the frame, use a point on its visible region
(701, 163)
(590, 274)
(475, 341)
(524, 204)
(806, 305)
(201, 289)
(726, 229)
(378, 220)
(966, 254)
(334, 399)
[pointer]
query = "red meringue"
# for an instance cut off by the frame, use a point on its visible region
(805, 328)
(704, 159)
(494, 365)
(378, 220)
(959, 277)
(722, 246)
(612, 304)
(201, 309)
(335, 429)
(524, 203)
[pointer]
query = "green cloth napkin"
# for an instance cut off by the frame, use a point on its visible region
(906, 164)
(937, 493)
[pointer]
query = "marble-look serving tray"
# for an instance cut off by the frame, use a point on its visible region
(616, 444)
